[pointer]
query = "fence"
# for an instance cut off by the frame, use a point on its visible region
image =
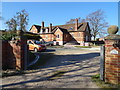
(102, 62)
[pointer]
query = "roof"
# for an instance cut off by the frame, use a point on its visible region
(37, 26)
(81, 26)
(66, 28)
(65, 31)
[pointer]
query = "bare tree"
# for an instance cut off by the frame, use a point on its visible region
(97, 23)
(12, 24)
(71, 21)
(22, 18)
(20, 21)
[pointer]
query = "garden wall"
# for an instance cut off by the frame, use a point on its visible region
(14, 54)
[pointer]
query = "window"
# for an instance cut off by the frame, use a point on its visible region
(37, 42)
(58, 36)
(46, 30)
(32, 30)
(71, 28)
(46, 37)
(87, 38)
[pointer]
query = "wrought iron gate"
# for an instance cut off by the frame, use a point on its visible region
(102, 62)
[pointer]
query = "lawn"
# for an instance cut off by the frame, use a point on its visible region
(56, 46)
(102, 84)
(83, 46)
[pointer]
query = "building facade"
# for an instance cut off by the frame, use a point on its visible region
(62, 34)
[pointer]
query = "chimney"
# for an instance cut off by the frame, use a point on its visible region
(42, 24)
(76, 24)
(50, 28)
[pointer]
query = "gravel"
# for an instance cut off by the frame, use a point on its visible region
(80, 65)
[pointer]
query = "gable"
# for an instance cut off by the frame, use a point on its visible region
(58, 31)
(33, 29)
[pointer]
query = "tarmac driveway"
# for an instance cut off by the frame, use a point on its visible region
(75, 66)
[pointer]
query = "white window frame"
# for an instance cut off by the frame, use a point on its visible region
(58, 36)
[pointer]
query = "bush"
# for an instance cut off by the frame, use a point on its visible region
(8, 35)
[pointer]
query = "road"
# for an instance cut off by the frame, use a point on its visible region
(76, 65)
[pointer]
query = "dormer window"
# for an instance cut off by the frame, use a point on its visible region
(46, 30)
(41, 31)
(71, 28)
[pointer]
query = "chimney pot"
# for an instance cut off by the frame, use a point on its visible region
(42, 24)
(50, 28)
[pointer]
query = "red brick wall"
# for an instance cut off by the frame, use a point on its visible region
(67, 37)
(8, 58)
(47, 37)
(78, 36)
(13, 55)
(112, 63)
(60, 35)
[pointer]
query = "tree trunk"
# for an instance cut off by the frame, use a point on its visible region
(94, 39)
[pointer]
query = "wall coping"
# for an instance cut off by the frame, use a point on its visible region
(112, 37)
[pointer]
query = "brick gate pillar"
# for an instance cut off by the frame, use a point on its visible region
(112, 56)
(21, 60)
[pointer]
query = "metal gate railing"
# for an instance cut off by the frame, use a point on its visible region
(102, 62)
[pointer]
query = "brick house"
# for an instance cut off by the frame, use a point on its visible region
(62, 34)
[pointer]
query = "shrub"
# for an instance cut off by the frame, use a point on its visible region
(8, 35)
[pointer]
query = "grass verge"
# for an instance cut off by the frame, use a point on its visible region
(102, 84)
(56, 46)
(83, 46)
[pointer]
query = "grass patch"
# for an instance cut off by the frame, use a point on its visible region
(44, 57)
(83, 46)
(57, 75)
(102, 84)
(56, 46)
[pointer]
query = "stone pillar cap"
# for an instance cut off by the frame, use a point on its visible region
(113, 29)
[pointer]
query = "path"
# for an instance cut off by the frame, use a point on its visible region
(79, 65)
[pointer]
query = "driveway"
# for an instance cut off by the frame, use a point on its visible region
(77, 66)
